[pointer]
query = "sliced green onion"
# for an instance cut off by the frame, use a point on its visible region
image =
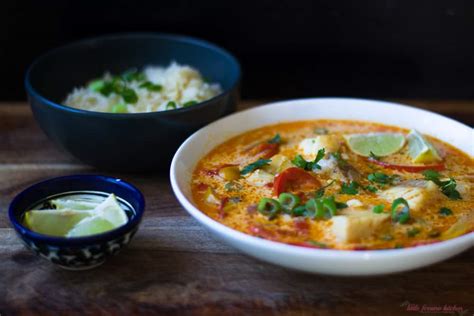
(269, 207)
(299, 211)
(314, 208)
(330, 204)
(133, 75)
(378, 209)
(171, 105)
(190, 103)
(129, 95)
(96, 85)
(119, 108)
(150, 86)
(403, 215)
(288, 201)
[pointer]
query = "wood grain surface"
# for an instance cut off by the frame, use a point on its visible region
(175, 267)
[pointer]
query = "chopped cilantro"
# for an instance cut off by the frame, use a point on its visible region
(300, 162)
(255, 165)
(350, 188)
(447, 187)
(275, 139)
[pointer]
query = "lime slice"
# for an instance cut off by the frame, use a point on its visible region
(74, 204)
(112, 212)
(54, 222)
(90, 226)
(380, 144)
(421, 150)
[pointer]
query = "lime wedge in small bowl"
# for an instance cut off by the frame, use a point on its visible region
(379, 144)
(54, 222)
(90, 226)
(420, 149)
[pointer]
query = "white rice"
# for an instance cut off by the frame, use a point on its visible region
(180, 84)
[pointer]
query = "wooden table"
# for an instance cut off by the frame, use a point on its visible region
(174, 266)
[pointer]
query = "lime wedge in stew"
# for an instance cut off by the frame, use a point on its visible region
(379, 144)
(420, 149)
(54, 222)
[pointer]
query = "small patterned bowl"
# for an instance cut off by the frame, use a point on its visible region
(78, 253)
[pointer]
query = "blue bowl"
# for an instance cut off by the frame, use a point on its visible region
(126, 142)
(78, 253)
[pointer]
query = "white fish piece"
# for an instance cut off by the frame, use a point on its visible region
(260, 178)
(352, 226)
(418, 193)
(309, 147)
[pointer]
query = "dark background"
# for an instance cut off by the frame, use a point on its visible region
(378, 49)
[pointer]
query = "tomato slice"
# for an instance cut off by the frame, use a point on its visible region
(264, 150)
(407, 168)
(294, 180)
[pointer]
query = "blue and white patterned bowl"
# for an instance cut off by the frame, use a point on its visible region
(77, 253)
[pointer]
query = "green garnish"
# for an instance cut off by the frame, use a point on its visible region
(317, 244)
(341, 162)
(269, 207)
(320, 192)
(275, 139)
(171, 105)
(129, 95)
(447, 187)
(288, 201)
(300, 162)
(150, 86)
(445, 211)
(190, 103)
(321, 131)
(350, 188)
(413, 232)
(378, 209)
(299, 211)
(255, 165)
(400, 215)
(321, 208)
(119, 108)
(379, 177)
(374, 156)
(371, 188)
(96, 85)
(133, 75)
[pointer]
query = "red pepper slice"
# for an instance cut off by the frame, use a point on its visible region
(294, 180)
(264, 150)
(407, 168)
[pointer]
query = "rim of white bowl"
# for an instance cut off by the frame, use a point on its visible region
(354, 255)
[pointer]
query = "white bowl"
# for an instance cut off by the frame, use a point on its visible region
(327, 261)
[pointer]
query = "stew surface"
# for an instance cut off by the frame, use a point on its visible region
(304, 183)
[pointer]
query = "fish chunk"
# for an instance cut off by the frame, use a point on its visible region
(278, 164)
(260, 178)
(309, 146)
(418, 193)
(353, 226)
